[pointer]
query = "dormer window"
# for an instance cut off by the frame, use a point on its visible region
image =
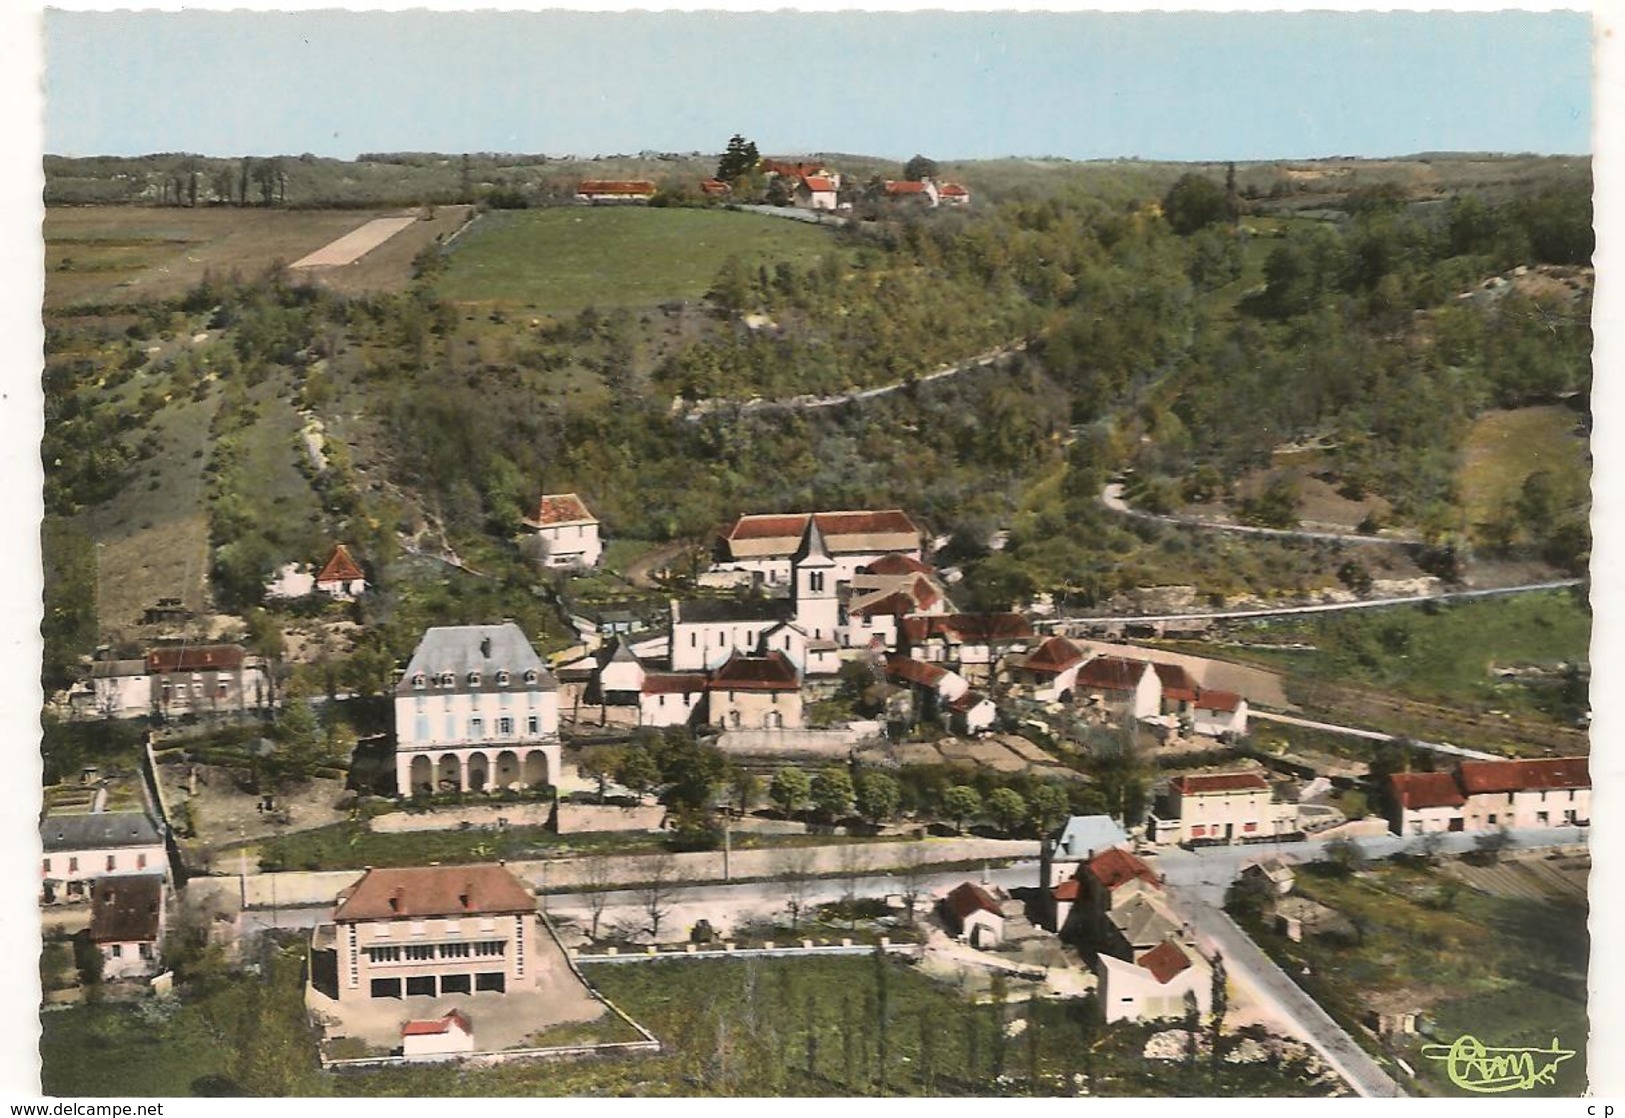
(502, 679)
(530, 676)
(418, 681)
(447, 679)
(473, 679)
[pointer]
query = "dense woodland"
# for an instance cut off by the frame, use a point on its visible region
(1176, 336)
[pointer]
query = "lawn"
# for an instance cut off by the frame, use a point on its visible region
(558, 261)
(1443, 652)
(1504, 447)
(1511, 972)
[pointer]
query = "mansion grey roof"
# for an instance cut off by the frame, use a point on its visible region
(102, 830)
(1084, 836)
(714, 611)
(466, 651)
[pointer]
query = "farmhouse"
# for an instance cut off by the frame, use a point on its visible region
(476, 708)
(565, 532)
(116, 689)
(1131, 687)
(1051, 670)
(127, 924)
(1081, 838)
(764, 544)
(80, 849)
(755, 692)
(965, 639)
(205, 679)
(1156, 985)
(611, 191)
(1550, 792)
(972, 915)
(815, 192)
(1216, 713)
(1221, 807)
(971, 713)
(923, 193)
(671, 698)
(953, 194)
(341, 578)
(1423, 803)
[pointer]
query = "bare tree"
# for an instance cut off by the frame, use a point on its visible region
(794, 868)
(852, 865)
(912, 875)
(657, 891)
(595, 876)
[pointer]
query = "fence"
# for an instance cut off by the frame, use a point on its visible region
(767, 951)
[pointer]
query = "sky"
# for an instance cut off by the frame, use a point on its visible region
(1080, 85)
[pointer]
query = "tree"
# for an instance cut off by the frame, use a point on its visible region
(600, 765)
(1220, 1004)
(596, 877)
(1047, 806)
(745, 788)
(1490, 845)
(1007, 808)
(961, 802)
(832, 792)
(1343, 856)
(656, 893)
(1192, 202)
(739, 160)
(877, 796)
(789, 790)
(919, 169)
(912, 876)
(794, 869)
(637, 770)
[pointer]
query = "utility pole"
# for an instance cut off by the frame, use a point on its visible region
(727, 847)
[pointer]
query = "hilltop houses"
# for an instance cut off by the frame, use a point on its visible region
(476, 708)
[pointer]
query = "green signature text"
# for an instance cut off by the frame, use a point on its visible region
(1492, 1071)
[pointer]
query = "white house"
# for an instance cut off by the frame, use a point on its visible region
(815, 192)
(565, 532)
(1081, 838)
(475, 709)
(973, 915)
(620, 674)
(705, 633)
(1131, 686)
(342, 578)
(1215, 713)
(972, 713)
(969, 639)
(1425, 803)
(1156, 985)
(671, 698)
(451, 1035)
(1051, 670)
(80, 849)
(116, 689)
(1550, 792)
(1222, 807)
(127, 924)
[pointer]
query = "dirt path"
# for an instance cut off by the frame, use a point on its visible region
(356, 243)
(640, 571)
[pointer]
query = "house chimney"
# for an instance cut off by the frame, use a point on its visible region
(395, 899)
(463, 897)
(485, 647)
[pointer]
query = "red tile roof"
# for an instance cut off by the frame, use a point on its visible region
(967, 702)
(1175, 680)
(715, 186)
(924, 594)
(895, 604)
(1420, 790)
(1116, 867)
(616, 186)
(1221, 701)
(905, 187)
(856, 523)
(1066, 890)
(953, 190)
(1164, 961)
(773, 672)
(340, 568)
(421, 891)
(1205, 783)
(437, 1028)
(797, 170)
(895, 564)
(561, 508)
(213, 657)
(1054, 656)
(673, 683)
(970, 898)
(1111, 673)
(818, 184)
(1525, 776)
(915, 671)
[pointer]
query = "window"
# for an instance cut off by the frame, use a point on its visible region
(220, 689)
(418, 681)
(390, 954)
(419, 952)
(530, 676)
(454, 950)
(73, 865)
(118, 951)
(1492, 820)
(1540, 819)
(112, 862)
(421, 985)
(533, 725)
(1249, 827)
(456, 984)
(447, 679)
(486, 949)
(491, 980)
(473, 679)
(505, 727)
(476, 727)
(815, 581)
(47, 865)
(420, 728)
(502, 678)
(694, 640)
(1198, 831)
(386, 987)
(140, 861)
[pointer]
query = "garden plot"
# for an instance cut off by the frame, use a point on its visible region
(355, 244)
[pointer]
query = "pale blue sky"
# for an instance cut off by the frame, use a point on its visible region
(961, 85)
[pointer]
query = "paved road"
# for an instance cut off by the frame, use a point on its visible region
(1083, 621)
(1197, 882)
(1372, 735)
(1112, 497)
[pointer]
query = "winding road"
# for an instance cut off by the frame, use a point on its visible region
(1112, 497)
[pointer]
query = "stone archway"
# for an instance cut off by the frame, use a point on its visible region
(479, 772)
(449, 776)
(536, 769)
(507, 769)
(422, 778)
